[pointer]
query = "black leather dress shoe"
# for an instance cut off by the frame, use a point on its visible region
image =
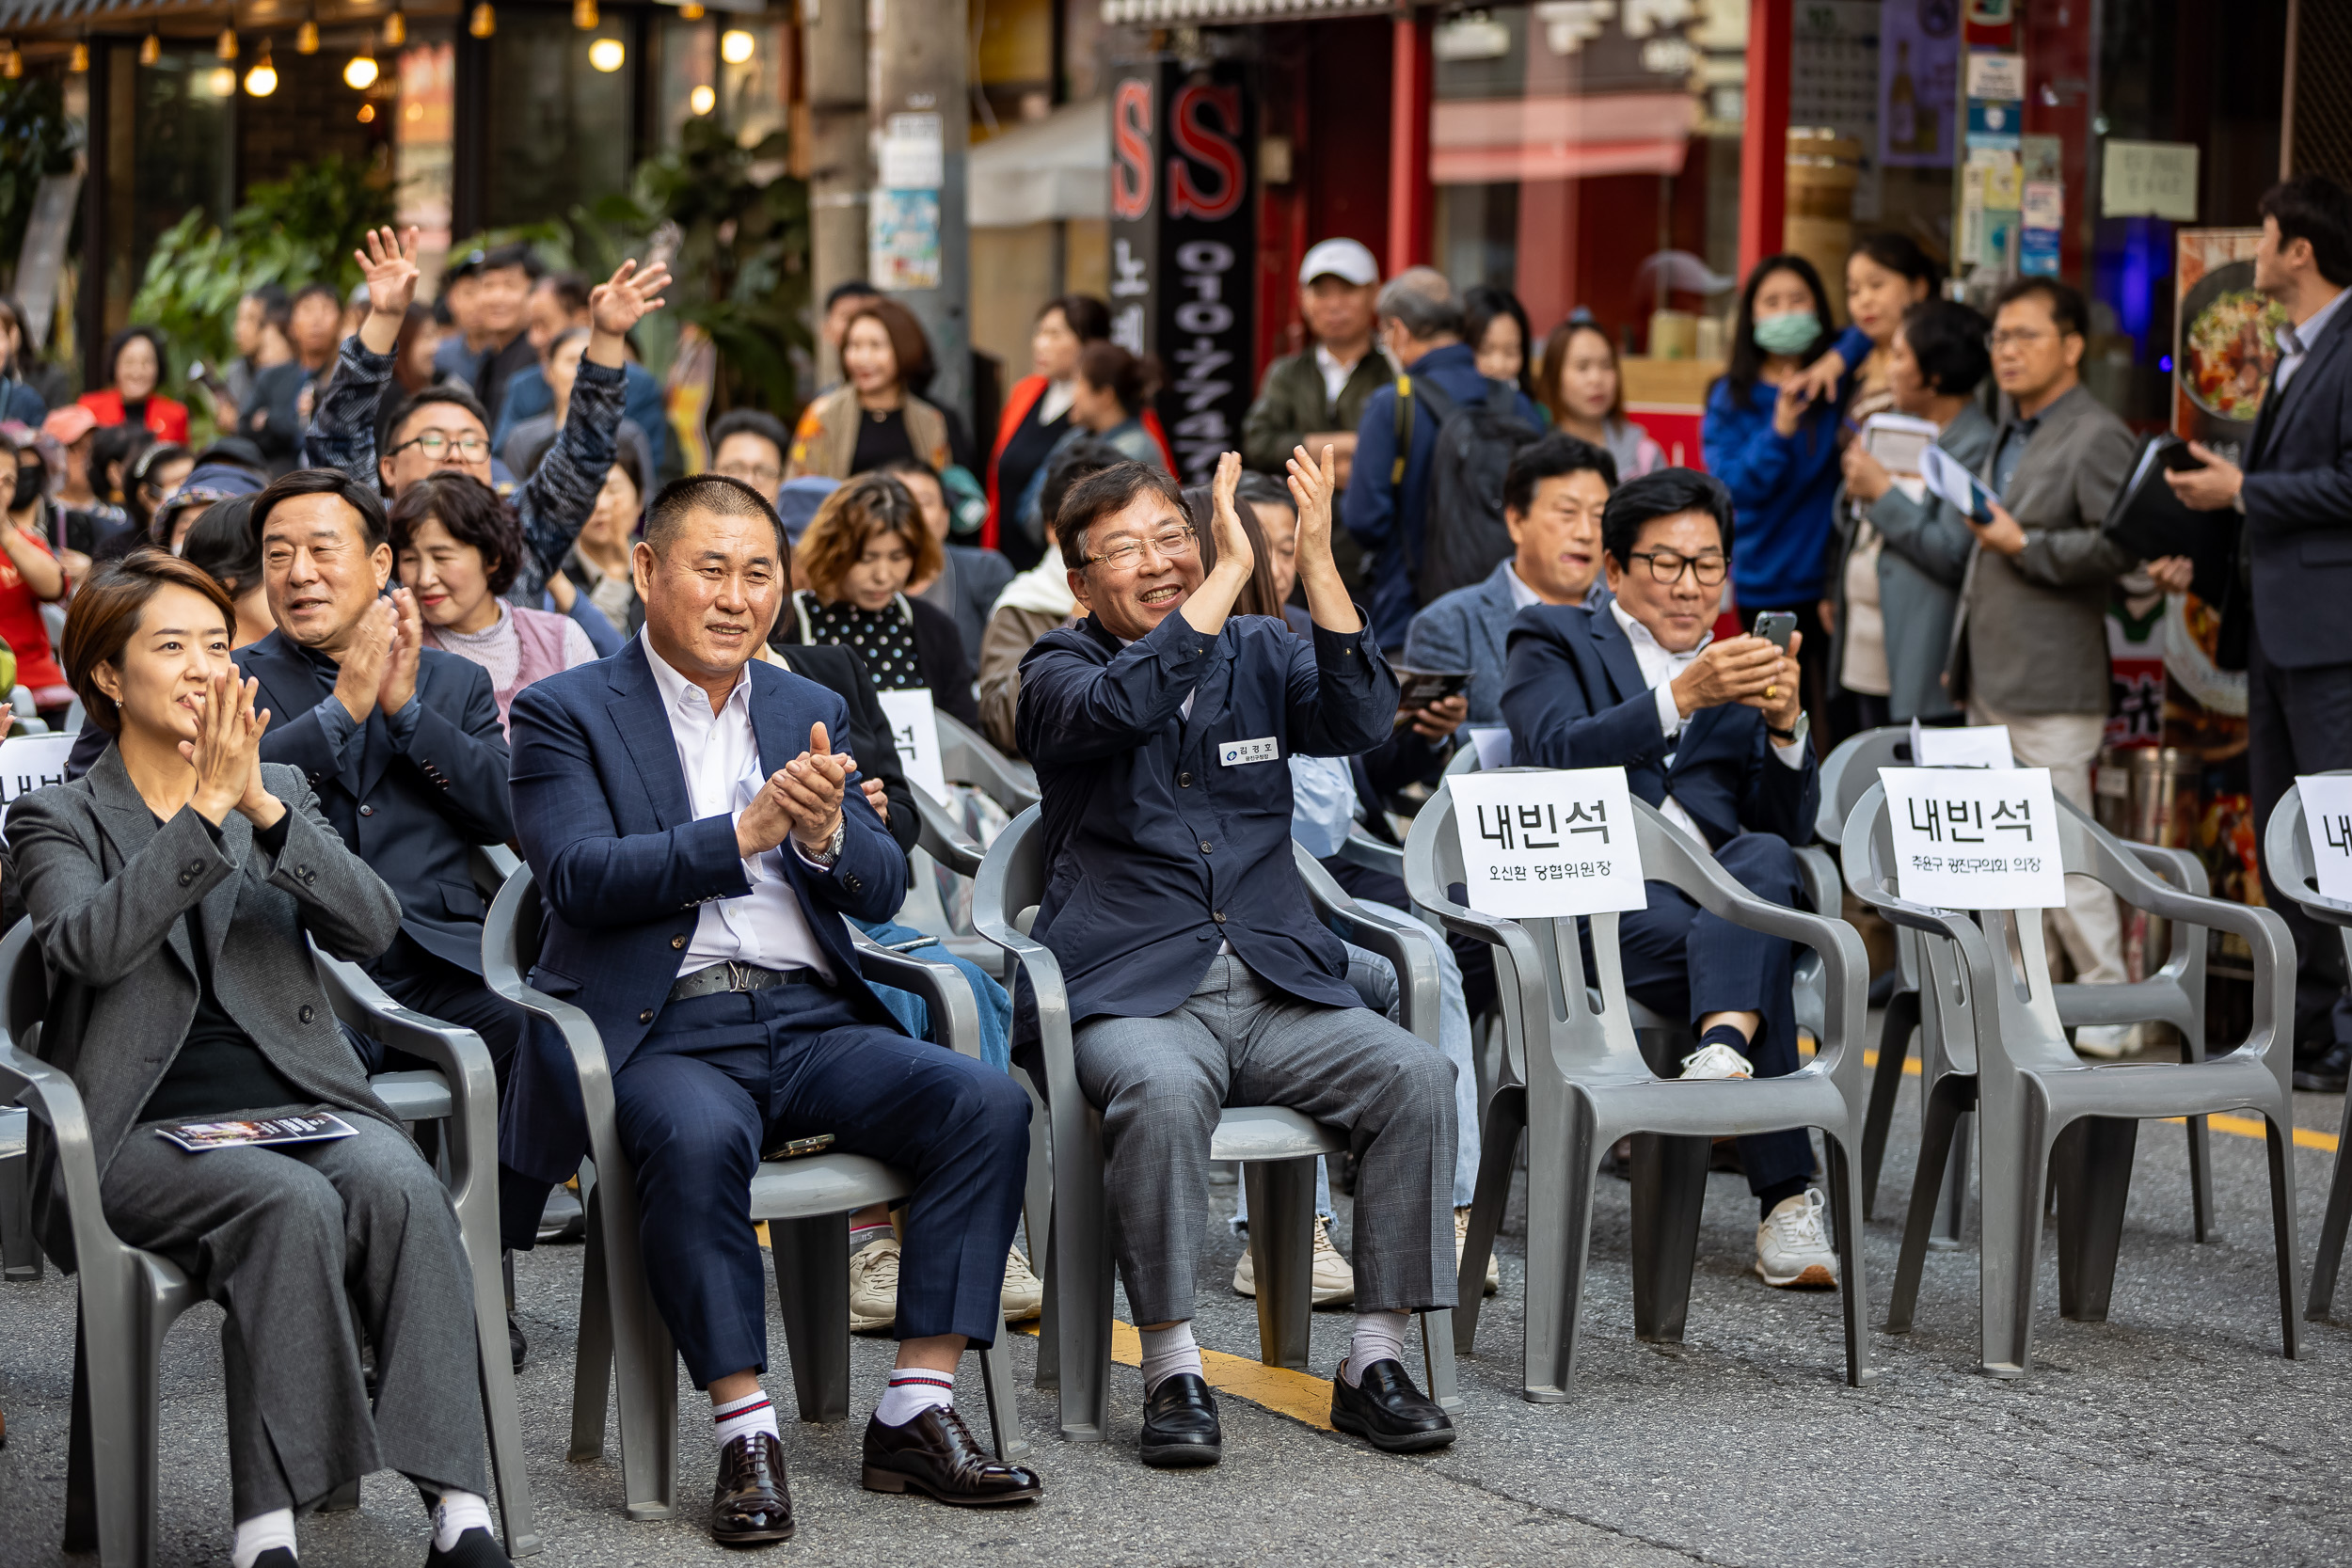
(516, 1346)
(1388, 1411)
(751, 1505)
(1180, 1426)
(276, 1556)
(2324, 1074)
(934, 1453)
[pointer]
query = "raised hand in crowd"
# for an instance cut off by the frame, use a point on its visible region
(1207, 605)
(1314, 487)
(389, 267)
(227, 754)
(367, 660)
(618, 304)
(801, 798)
(404, 654)
(1750, 670)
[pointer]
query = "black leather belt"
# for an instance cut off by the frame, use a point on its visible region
(731, 976)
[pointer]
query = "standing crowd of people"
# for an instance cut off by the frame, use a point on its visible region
(440, 585)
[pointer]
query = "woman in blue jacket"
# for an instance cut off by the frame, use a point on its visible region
(1776, 446)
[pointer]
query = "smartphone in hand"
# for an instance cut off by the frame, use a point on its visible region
(1775, 627)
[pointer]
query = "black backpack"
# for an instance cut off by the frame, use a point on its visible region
(1464, 536)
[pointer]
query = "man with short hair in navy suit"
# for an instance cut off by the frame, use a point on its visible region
(697, 842)
(1197, 973)
(1713, 735)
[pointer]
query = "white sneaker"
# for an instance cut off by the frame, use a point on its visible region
(1792, 1244)
(874, 1286)
(1716, 1060)
(1335, 1279)
(1461, 1244)
(2106, 1041)
(1024, 1292)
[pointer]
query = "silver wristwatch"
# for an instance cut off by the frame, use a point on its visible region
(831, 851)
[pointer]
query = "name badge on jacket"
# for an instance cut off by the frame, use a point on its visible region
(1236, 752)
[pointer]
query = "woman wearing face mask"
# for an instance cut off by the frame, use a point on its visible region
(1580, 386)
(135, 369)
(456, 546)
(1107, 406)
(866, 543)
(1777, 448)
(1494, 322)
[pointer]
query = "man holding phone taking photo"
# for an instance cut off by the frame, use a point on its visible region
(1714, 735)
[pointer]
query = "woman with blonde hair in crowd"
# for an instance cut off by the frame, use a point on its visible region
(866, 543)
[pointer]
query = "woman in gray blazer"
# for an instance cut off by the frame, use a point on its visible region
(170, 888)
(1889, 655)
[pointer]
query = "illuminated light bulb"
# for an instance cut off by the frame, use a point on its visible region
(484, 22)
(584, 15)
(12, 64)
(702, 100)
(263, 79)
(225, 46)
(737, 46)
(307, 37)
(359, 72)
(691, 12)
(396, 28)
(222, 81)
(150, 49)
(367, 113)
(607, 55)
(77, 61)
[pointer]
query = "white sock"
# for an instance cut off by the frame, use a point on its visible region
(1379, 1336)
(861, 1234)
(1166, 1353)
(744, 1415)
(457, 1513)
(912, 1391)
(259, 1533)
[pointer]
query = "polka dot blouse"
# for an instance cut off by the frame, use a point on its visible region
(884, 638)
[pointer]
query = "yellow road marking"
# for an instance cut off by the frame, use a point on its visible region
(1301, 1395)
(2244, 1127)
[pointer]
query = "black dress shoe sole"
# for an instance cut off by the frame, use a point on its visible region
(1182, 1456)
(767, 1536)
(876, 1479)
(2319, 1083)
(1392, 1442)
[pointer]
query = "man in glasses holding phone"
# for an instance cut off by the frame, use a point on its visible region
(1715, 736)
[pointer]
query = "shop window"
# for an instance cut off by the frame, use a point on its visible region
(559, 125)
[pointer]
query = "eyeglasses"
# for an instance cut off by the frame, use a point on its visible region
(1666, 566)
(1173, 544)
(471, 447)
(2015, 337)
(758, 475)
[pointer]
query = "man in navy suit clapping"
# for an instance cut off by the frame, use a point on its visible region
(1712, 734)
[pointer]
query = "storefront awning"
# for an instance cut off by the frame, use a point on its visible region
(1055, 168)
(1489, 141)
(1148, 12)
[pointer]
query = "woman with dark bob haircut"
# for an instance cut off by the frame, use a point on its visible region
(175, 890)
(456, 546)
(866, 544)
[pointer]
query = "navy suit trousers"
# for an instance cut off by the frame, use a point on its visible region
(722, 1077)
(1682, 961)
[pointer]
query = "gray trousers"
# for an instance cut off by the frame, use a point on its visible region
(1236, 1041)
(291, 1241)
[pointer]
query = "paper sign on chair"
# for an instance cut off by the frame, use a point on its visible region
(915, 733)
(1549, 843)
(1975, 838)
(2327, 821)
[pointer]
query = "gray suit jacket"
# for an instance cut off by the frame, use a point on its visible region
(106, 887)
(2032, 637)
(1921, 565)
(1462, 630)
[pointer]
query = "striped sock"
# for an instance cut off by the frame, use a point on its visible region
(861, 1235)
(912, 1391)
(744, 1417)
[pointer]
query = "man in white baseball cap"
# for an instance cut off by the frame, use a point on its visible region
(1318, 395)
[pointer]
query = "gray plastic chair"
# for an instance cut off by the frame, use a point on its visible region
(1579, 1078)
(2174, 994)
(2287, 856)
(20, 1254)
(129, 1298)
(2041, 1111)
(1277, 1148)
(806, 1204)
(965, 756)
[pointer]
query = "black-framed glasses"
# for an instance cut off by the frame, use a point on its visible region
(1667, 566)
(471, 447)
(1174, 542)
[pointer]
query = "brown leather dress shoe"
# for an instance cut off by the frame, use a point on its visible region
(751, 1505)
(934, 1453)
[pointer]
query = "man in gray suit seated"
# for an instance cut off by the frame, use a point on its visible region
(1553, 498)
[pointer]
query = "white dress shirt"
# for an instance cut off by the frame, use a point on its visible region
(2302, 339)
(1521, 596)
(1335, 374)
(1659, 669)
(720, 757)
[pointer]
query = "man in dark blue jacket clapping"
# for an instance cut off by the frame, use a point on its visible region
(1198, 972)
